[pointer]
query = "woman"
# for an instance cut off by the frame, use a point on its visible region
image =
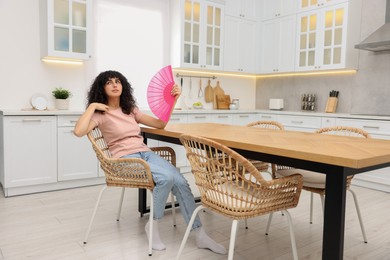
(112, 108)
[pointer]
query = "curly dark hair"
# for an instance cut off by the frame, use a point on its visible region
(97, 93)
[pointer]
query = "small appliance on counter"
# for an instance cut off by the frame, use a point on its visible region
(276, 104)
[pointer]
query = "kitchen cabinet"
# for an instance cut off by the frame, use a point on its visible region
(66, 29)
(300, 123)
(278, 45)
(28, 151)
(76, 158)
(245, 9)
(222, 119)
(239, 45)
(307, 5)
(197, 34)
(267, 117)
(325, 37)
(243, 119)
(278, 8)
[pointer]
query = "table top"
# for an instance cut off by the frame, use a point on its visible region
(352, 152)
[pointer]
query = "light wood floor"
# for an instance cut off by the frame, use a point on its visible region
(51, 225)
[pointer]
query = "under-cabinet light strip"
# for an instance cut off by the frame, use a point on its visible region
(292, 74)
(73, 62)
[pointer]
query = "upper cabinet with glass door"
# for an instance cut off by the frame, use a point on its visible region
(307, 5)
(197, 28)
(326, 37)
(66, 29)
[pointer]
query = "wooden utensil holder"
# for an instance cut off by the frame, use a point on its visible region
(331, 105)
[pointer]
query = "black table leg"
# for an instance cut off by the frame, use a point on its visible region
(334, 219)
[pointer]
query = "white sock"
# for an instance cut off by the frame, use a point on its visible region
(204, 241)
(156, 241)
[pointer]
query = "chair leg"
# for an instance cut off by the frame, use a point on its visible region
(359, 215)
(292, 235)
(189, 226)
(311, 207)
(120, 204)
(151, 213)
(232, 242)
(173, 210)
(269, 222)
(246, 223)
(322, 202)
(94, 213)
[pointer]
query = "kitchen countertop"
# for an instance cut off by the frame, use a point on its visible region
(31, 112)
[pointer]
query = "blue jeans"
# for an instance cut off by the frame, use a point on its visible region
(167, 178)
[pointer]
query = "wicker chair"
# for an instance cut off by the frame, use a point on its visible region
(315, 182)
(264, 166)
(231, 186)
(127, 173)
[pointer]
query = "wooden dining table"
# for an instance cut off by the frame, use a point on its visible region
(335, 156)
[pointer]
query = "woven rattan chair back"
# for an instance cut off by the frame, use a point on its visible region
(267, 124)
(260, 165)
(129, 173)
(231, 185)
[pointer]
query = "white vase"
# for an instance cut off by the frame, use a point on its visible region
(62, 104)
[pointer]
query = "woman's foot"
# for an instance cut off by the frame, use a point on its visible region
(204, 241)
(156, 241)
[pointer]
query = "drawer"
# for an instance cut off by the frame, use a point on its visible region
(267, 117)
(310, 122)
(177, 119)
(67, 120)
(222, 118)
(200, 118)
(243, 119)
(374, 127)
(328, 121)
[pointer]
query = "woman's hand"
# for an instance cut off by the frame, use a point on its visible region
(176, 91)
(99, 106)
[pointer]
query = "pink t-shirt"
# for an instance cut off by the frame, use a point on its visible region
(121, 132)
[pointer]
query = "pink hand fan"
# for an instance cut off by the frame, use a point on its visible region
(159, 95)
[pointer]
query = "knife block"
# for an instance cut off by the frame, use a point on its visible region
(331, 105)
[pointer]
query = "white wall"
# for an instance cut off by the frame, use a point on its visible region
(23, 74)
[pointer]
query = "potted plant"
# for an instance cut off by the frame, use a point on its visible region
(62, 98)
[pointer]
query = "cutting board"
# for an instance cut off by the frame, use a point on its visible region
(218, 91)
(209, 93)
(223, 101)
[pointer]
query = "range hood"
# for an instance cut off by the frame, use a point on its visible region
(380, 39)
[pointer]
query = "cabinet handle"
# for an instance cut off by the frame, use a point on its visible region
(297, 122)
(73, 121)
(200, 116)
(32, 120)
(371, 127)
(175, 119)
(223, 116)
(242, 116)
(265, 116)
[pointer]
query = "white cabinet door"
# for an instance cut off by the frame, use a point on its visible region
(306, 5)
(278, 8)
(30, 150)
(76, 158)
(197, 34)
(239, 45)
(267, 117)
(66, 29)
(322, 38)
(278, 45)
(245, 9)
